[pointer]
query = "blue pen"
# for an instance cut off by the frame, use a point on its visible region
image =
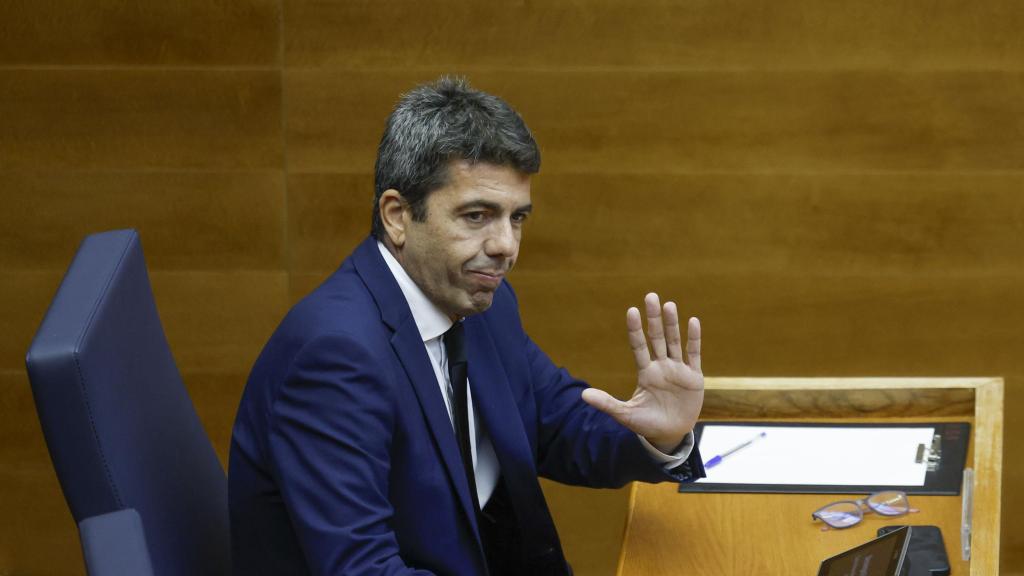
(718, 459)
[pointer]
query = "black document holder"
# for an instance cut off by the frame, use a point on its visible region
(945, 480)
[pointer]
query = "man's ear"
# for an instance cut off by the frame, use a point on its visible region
(394, 215)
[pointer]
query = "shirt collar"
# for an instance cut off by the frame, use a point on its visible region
(430, 320)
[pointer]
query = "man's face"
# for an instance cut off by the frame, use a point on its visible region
(470, 237)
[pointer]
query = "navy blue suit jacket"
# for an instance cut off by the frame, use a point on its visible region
(343, 459)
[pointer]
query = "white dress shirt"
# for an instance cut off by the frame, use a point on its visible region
(432, 324)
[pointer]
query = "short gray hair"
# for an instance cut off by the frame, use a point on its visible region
(435, 124)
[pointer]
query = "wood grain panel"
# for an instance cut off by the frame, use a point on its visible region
(590, 524)
(328, 215)
(803, 324)
(186, 220)
(335, 119)
(139, 119)
(301, 284)
(40, 536)
(759, 404)
(791, 404)
(794, 34)
(696, 121)
(900, 223)
(43, 538)
(24, 296)
(219, 321)
(19, 427)
(111, 32)
(216, 397)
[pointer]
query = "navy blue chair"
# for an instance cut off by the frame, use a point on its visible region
(136, 467)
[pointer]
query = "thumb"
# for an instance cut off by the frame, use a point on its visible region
(607, 403)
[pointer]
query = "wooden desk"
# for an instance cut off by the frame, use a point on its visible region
(772, 534)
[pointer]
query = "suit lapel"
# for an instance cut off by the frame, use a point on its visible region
(408, 346)
(496, 408)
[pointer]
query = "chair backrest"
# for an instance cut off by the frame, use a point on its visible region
(119, 424)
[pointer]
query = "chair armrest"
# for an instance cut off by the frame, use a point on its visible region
(114, 544)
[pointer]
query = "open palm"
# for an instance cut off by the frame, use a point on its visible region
(670, 387)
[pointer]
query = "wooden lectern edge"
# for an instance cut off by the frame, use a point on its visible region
(988, 456)
(856, 383)
(988, 465)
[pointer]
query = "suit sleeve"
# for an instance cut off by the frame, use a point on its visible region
(330, 438)
(578, 444)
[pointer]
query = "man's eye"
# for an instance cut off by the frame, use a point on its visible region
(474, 216)
(519, 217)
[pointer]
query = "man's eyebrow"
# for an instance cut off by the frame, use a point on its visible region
(484, 204)
(491, 206)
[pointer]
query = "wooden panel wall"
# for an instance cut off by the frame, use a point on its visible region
(166, 117)
(835, 188)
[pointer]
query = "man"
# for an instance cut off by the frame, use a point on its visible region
(397, 420)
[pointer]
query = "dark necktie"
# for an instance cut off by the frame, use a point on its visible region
(500, 530)
(455, 346)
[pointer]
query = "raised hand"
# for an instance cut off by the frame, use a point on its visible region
(670, 388)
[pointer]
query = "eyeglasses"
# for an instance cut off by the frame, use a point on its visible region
(846, 513)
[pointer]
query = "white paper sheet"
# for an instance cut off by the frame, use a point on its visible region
(801, 455)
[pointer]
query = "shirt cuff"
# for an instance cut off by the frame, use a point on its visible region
(670, 461)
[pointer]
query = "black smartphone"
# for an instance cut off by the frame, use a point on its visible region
(883, 556)
(926, 553)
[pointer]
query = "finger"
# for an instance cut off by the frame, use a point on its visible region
(672, 337)
(607, 403)
(655, 330)
(637, 342)
(693, 344)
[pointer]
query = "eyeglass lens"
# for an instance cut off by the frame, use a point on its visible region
(891, 503)
(840, 514)
(846, 513)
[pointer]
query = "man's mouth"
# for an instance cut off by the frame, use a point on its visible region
(487, 278)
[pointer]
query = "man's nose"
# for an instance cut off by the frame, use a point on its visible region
(503, 240)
